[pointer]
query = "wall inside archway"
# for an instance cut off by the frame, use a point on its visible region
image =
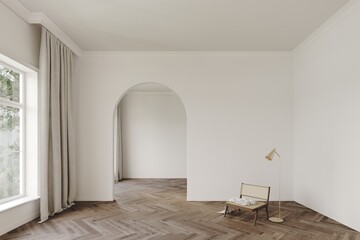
(153, 127)
(238, 107)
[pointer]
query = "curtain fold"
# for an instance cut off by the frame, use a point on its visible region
(57, 139)
(118, 165)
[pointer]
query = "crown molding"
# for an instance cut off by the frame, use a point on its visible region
(334, 20)
(42, 19)
(187, 53)
(18, 8)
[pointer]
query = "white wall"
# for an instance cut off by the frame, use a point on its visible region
(327, 119)
(22, 41)
(238, 107)
(153, 135)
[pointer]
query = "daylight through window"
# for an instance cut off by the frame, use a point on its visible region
(11, 133)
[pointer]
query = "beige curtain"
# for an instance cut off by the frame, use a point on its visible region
(57, 156)
(118, 165)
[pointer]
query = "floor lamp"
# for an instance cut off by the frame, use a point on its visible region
(270, 157)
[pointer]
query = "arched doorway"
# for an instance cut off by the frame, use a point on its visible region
(149, 134)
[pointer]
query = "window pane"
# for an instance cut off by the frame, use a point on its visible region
(9, 84)
(9, 175)
(9, 151)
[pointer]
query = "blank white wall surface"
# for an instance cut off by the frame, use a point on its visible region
(154, 135)
(238, 107)
(22, 41)
(327, 122)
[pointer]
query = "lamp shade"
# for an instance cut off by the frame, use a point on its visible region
(271, 154)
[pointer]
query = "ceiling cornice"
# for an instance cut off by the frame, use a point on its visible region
(42, 19)
(345, 11)
(186, 53)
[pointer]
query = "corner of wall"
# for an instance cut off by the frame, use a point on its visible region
(345, 11)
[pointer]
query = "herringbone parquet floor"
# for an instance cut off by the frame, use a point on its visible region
(157, 209)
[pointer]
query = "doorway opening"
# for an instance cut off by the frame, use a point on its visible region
(149, 135)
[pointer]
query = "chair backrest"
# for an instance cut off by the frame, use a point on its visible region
(255, 191)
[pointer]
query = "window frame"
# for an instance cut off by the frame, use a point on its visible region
(21, 105)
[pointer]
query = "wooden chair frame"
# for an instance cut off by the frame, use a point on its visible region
(256, 192)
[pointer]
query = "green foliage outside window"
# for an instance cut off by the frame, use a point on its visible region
(9, 134)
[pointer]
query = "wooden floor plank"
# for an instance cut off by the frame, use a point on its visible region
(156, 209)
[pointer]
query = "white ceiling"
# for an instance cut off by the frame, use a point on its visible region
(187, 25)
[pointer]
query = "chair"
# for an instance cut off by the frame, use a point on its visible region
(256, 192)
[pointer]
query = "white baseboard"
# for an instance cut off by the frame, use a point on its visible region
(92, 199)
(15, 216)
(21, 221)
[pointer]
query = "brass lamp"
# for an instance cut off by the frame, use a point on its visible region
(270, 157)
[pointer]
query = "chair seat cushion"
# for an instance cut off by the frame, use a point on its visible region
(247, 207)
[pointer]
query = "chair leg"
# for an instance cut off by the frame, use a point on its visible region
(267, 212)
(226, 208)
(256, 215)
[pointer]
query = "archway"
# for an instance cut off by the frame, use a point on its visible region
(149, 134)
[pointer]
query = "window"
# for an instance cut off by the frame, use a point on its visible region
(12, 132)
(19, 134)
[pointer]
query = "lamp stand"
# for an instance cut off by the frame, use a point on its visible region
(278, 219)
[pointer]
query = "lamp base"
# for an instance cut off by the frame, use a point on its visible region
(276, 220)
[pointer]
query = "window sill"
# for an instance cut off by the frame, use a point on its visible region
(16, 202)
